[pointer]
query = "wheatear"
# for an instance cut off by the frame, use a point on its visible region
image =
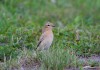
(46, 38)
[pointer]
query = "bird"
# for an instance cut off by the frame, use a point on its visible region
(46, 38)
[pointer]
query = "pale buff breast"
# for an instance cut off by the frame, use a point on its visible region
(47, 38)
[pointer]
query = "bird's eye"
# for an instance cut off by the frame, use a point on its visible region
(48, 25)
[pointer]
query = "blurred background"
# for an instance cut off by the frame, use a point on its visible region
(21, 22)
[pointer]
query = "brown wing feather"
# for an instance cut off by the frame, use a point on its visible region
(41, 39)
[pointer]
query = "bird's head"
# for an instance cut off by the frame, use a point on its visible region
(48, 26)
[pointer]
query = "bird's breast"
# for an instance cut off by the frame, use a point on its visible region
(50, 35)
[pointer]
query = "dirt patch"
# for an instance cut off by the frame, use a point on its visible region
(95, 58)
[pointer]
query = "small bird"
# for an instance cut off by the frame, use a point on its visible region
(46, 38)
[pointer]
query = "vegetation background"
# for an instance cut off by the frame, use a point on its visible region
(21, 22)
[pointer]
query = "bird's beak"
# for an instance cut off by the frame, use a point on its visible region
(53, 25)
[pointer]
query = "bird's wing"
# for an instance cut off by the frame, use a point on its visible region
(41, 39)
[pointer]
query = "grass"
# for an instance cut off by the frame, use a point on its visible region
(56, 59)
(21, 23)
